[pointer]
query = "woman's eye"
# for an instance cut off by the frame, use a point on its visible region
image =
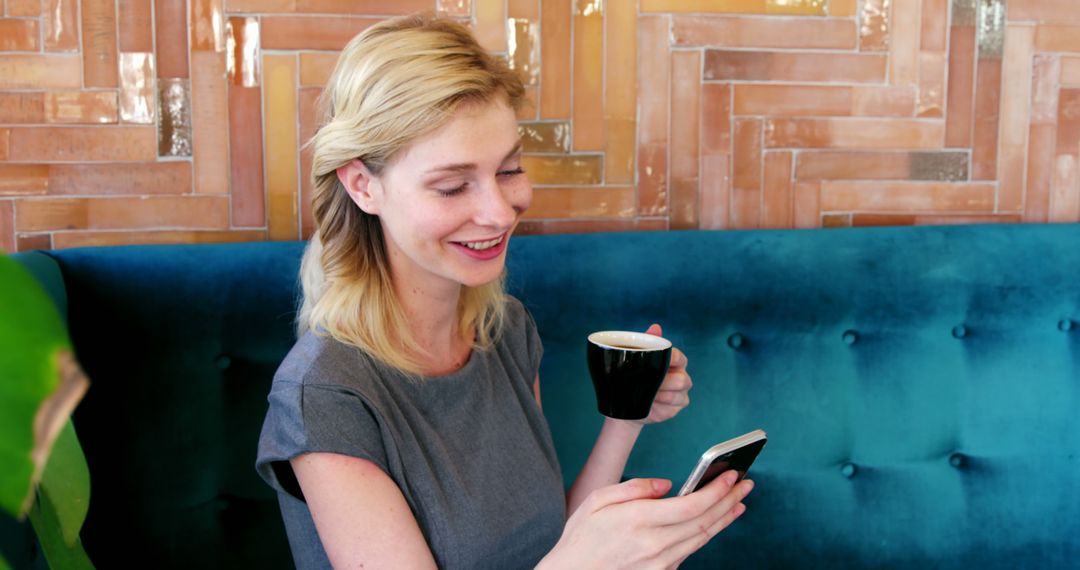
(447, 192)
(513, 172)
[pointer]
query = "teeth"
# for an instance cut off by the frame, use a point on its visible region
(480, 245)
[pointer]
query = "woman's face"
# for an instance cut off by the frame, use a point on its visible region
(449, 202)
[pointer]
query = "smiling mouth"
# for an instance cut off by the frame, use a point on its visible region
(483, 245)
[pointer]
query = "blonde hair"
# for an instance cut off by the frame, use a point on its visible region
(393, 83)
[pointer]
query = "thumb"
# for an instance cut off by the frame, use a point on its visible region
(655, 330)
(632, 490)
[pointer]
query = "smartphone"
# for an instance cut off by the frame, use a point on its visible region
(737, 454)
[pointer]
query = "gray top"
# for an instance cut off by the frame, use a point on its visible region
(470, 451)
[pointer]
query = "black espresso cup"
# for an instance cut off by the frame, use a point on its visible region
(627, 369)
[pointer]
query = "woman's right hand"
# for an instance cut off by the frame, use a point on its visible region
(629, 526)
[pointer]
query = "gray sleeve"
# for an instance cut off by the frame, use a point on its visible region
(532, 342)
(315, 418)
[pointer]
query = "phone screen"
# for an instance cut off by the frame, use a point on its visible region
(737, 459)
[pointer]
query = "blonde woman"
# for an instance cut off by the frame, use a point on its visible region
(399, 422)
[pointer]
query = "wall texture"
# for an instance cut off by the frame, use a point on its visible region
(136, 121)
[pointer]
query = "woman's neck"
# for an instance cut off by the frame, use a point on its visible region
(432, 315)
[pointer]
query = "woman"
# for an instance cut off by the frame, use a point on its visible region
(405, 427)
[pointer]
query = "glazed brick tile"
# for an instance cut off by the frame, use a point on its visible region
(931, 71)
(210, 122)
(31, 242)
(106, 144)
(62, 240)
(935, 25)
(763, 32)
(836, 220)
(316, 67)
(959, 113)
(745, 209)
(490, 24)
(987, 114)
(1015, 117)
(33, 71)
(5, 138)
(16, 107)
(883, 101)
(85, 107)
(171, 38)
(587, 110)
(843, 7)
(807, 205)
(460, 8)
(652, 179)
(1057, 38)
(563, 170)
(875, 23)
(144, 212)
(654, 73)
(143, 178)
(1065, 190)
(1056, 11)
(777, 200)
(308, 126)
(729, 65)
(300, 32)
(684, 203)
(546, 136)
(747, 157)
(906, 197)
(24, 8)
(539, 227)
(244, 64)
(904, 43)
(23, 179)
(1068, 121)
(527, 9)
(555, 58)
(620, 63)
(778, 7)
(99, 43)
(715, 191)
(366, 7)
(1070, 71)
(582, 202)
(60, 25)
(778, 100)
(136, 26)
(867, 165)
(19, 35)
(685, 117)
(1040, 172)
(206, 25)
(716, 113)
(138, 97)
(619, 149)
(279, 96)
(854, 133)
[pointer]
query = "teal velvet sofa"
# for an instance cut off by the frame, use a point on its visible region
(920, 387)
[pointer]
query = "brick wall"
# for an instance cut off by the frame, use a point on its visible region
(137, 121)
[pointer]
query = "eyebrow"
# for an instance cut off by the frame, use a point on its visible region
(465, 166)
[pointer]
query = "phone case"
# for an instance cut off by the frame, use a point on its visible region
(737, 454)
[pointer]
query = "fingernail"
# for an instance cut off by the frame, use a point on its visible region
(658, 485)
(730, 477)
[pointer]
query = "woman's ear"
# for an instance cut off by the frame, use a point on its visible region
(362, 186)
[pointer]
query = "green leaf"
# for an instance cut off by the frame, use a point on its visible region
(40, 383)
(66, 482)
(58, 552)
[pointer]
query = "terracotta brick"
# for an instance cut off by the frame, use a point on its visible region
(5, 138)
(166, 177)
(747, 143)
(745, 209)
(329, 33)
(807, 205)
(145, 212)
(654, 73)
(99, 44)
(874, 27)
(619, 146)
(461, 8)
(563, 170)
(684, 146)
(62, 240)
(684, 204)
(1065, 190)
(932, 220)
(22, 107)
(315, 68)
(1057, 38)
(245, 156)
(7, 227)
(545, 136)
(31, 242)
(136, 26)
(589, 226)
(1068, 121)
(777, 201)
(906, 197)
(19, 35)
(904, 43)
(210, 122)
(793, 66)
(1045, 82)
(138, 97)
(961, 89)
(587, 111)
(778, 100)
(620, 64)
(884, 101)
(171, 38)
(789, 7)
(60, 25)
(836, 220)
(843, 7)
(308, 126)
(174, 126)
(86, 107)
(853, 133)
(763, 32)
(716, 118)
(23, 179)
(490, 24)
(880, 220)
(1070, 72)
(931, 71)
(582, 202)
(985, 134)
(83, 143)
(1040, 173)
(261, 6)
(24, 71)
(528, 9)
(1057, 11)
(935, 25)
(366, 7)
(555, 58)
(1015, 117)
(652, 179)
(24, 8)
(859, 165)
(206, 25)
(243, 61)
(528, 110)
(279, 90)
(715, 211)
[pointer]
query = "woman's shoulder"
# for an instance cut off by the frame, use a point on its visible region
(319, 359)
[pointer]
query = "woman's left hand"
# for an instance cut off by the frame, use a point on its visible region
(674, 394)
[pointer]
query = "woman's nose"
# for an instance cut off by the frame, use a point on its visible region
(497, 209)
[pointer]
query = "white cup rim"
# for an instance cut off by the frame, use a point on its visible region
(608, 339)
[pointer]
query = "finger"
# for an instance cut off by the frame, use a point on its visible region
(695, 533)
(677, 380)
(678, 359)
(655, 330)
(672, 398)
(632, 490)
(682, 550)
(677, 510)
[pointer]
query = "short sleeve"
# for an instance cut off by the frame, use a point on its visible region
(532, 341)
(306, 418)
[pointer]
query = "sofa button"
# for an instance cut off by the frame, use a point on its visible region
(850, 337)
(957, 460)
(1065, 325)
(848, 470)
(736, 341)
(223, 361)
(959, 331)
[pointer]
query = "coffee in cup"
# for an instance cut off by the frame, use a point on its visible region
(627, 369)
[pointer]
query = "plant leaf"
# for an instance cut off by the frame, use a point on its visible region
(66, 483)
(47, 526)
